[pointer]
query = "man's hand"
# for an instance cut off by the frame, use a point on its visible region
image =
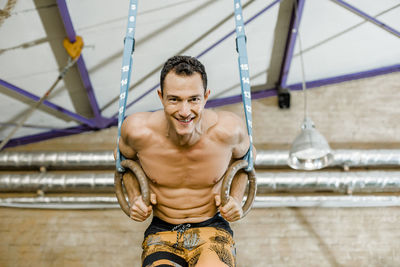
(232, 211)
(139, 211)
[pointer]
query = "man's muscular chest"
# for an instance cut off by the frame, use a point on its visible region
(201, 165)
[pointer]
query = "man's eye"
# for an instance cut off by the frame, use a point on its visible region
(195, 99)
(172, 100)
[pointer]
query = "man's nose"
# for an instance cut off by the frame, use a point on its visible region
(184, 110)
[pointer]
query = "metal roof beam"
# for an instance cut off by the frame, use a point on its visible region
(53, 26)
(47, 103)
(69, 28)
(281, 34)
(367, 17)
(47, 135)
(293, 30)
(311, 84)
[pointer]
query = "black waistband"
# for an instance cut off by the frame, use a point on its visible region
(158, 225)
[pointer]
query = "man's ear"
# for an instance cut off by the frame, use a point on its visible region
(160, 94)
(206, 94)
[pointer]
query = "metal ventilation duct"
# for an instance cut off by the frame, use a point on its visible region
(260, 202)
(60, 202)
(326, 201)
(267, 182)
(337, 182)
(48, 182)
(342, 157)
(265, 159)
(57, 160)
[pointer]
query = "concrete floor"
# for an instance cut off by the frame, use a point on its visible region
(266, 237)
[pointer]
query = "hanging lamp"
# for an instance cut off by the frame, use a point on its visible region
(310, 150)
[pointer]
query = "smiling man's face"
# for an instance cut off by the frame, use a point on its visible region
(183, 99)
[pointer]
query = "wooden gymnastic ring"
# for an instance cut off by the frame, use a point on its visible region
(142, 179)
(226, 185)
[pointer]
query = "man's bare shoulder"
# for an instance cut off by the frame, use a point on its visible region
(228, 116)
(230, 120)
(136, 121)
(142, 124)
(144, 119)
(229, 127)
(232, 129)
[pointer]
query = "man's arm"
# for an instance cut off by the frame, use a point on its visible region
(130, 182)
(232, 211)
(139, 210)
(240, 149)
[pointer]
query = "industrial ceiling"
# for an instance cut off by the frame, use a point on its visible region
(341, 40)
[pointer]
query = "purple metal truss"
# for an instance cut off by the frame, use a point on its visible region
(233, 31)
(25, 125)
(367, 17)
(348, 77)
(47, 135)
(69, 28)
(312, 84)
(47, 103)
(98, 122)
(291, 42)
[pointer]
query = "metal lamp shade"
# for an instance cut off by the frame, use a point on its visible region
(310, 150)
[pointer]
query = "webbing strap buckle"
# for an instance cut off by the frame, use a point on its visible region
(133, 43)
(237, 43)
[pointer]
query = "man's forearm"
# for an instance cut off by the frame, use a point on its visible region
(238, 186)
(239, 182)
(131, 185)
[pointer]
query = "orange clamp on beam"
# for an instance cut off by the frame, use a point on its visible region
(73, 49)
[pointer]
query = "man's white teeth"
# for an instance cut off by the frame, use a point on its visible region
(186, 120)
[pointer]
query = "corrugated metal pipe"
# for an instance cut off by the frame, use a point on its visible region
(56, 182)
(260, 202)
(42, 202)
(57, 160)
(342, 158)
(267, 182)
(265, 159)
(336, 182)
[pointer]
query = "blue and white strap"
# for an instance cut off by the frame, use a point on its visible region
(126, 70)
(244, 78)
(243, 69)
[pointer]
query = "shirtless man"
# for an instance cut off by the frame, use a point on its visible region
(184, 150)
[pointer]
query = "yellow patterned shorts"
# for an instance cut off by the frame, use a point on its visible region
(189, 244)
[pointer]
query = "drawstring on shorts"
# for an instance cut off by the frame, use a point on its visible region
(180, 230)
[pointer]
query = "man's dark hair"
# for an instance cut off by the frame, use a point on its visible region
(183, 66)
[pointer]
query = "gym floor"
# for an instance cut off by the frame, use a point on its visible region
(266, 237)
